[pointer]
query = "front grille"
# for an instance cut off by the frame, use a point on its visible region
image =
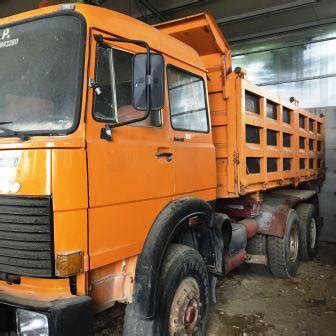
(26, 244)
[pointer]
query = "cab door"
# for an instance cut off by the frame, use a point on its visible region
(193, 149)
(130, 175)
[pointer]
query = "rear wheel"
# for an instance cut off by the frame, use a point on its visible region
(283, 253)
(308, 231)
(184, 293)
(257, 246)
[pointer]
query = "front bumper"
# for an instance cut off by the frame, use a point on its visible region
(66, 317)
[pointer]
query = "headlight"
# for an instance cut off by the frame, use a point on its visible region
(29, 323)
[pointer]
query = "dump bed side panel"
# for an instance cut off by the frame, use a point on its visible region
(277, 143)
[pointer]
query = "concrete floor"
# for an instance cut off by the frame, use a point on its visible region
(250, 304)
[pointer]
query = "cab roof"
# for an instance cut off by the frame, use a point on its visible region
(123, 26)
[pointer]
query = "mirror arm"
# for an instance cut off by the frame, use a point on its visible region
(101, 40)
(127, 122)
(106, 132)
(148, 79)
(94, 85)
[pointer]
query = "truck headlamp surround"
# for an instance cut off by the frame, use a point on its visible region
(29, 323)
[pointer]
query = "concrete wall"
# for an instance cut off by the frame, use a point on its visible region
(328, 192)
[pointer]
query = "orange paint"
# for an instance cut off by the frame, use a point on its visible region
(113, 282)
(37, 289)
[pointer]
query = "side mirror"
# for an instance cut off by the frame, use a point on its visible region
(148, 91)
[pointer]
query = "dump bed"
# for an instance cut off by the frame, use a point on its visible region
(261, 141)
(275, 142)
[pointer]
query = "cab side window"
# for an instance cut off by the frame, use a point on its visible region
(114, 76)
(104, 109)
(188, 107)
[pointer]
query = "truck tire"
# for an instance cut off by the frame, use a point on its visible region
(257, 246)
(184, 293)
(135, 325)
(283, 253)
(308, 231)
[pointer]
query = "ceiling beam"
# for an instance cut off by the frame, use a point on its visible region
(267, 11)
(282, 30)
(171, 9)
(153, 10)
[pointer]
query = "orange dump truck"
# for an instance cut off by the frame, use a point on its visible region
(136, 166)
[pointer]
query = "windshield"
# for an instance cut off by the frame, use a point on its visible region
(40, 68)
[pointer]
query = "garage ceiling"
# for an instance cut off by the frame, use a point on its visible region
(239, 19)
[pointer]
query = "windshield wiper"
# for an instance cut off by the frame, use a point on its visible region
(6, 122)
(7, 131)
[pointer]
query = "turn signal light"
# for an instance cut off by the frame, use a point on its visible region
(69, 263)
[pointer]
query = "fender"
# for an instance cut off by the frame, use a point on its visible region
(176, 216)
(276, 206)
(273, 218)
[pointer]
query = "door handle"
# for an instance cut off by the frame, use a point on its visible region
(167, 155)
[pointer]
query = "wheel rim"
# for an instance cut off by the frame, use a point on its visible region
(293, 244)
(185, 308)
(313, 233)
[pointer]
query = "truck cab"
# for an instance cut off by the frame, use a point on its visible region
(79, 193)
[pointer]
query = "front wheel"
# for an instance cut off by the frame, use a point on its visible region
(183, 293)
